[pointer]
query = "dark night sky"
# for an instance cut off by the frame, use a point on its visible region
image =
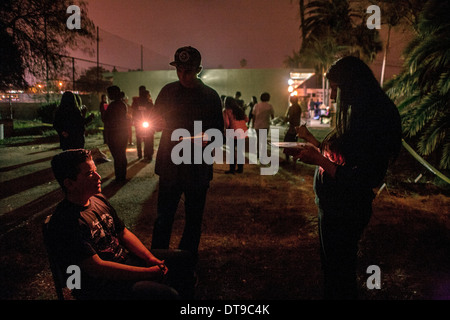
(263, 32)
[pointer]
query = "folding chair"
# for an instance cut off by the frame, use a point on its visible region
(57, 272)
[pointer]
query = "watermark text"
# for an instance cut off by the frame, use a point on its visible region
(374, 21)
(374, 280)
(190, 150)
(74, 21)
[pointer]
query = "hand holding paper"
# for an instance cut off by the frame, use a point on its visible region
(308, 154)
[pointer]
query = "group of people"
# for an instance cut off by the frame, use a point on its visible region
(85, 230)
(235, 118)
(118, 118)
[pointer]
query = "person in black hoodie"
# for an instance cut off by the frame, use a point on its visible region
(70, 122)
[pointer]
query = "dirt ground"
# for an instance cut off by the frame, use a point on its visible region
(260, 239)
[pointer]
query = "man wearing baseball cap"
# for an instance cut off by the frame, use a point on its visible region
(178, 106)
(188, 58)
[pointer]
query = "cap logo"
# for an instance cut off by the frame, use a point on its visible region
(184, 56)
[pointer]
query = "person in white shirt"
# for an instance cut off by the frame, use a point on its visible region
(262, 113)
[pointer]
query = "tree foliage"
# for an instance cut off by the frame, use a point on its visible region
(397, 12)
(12, 68)
(422, 90)
(35, 37)
(330, 29)
(92, 80)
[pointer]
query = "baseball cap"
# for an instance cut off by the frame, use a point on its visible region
(187, 57)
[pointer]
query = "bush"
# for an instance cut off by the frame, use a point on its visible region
(46, 112)
(96, 123)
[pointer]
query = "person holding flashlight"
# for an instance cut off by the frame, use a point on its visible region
(142, 107)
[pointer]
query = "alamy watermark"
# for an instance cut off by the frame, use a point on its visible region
(374, 21)
(190, 150)
(74, 21)
(374, 280)
(74, 280)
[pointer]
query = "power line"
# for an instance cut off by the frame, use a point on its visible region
(92, 61)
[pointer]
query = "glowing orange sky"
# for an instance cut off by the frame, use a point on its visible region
(263, 32)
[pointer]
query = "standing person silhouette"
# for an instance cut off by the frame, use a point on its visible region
(178, 105)
(116, 125)
(102, 108)
(251, 105)
(293, 117)
(235, 118)
(124, 98)
(262, 114)
(142, 106)
(70, 122)
(239, 101)
(351, 161)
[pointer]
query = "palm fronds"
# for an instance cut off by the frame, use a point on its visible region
(422, 90)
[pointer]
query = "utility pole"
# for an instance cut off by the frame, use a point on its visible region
(98, 60)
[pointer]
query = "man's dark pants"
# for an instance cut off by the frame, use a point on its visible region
(194, 201)
(117, 143)
(148, 145)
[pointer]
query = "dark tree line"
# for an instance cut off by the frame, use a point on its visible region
(34, 39)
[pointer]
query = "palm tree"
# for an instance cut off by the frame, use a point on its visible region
(423, 88)
(321, 54)
(324, 16)
(293, 61)
(394, 14)
(345, 25)
(301, 7)
(330, 29)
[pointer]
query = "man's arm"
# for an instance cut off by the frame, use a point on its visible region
(99, 268)
(157, 110)
(134, 245)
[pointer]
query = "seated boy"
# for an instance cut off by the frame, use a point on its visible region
(85, 231)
